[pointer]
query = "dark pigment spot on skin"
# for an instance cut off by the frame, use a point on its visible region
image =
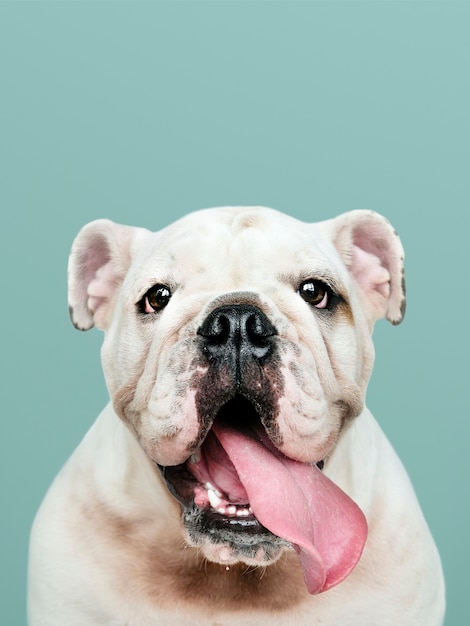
(261, 385)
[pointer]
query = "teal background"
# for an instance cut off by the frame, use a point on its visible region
(143, 111)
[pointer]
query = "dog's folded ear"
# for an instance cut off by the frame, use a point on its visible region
(98, 263)
(373, 254)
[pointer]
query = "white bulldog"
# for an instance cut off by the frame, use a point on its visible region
(236, 477)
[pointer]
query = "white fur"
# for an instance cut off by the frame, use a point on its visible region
(108, 541)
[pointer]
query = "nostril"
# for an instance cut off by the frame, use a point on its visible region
(216, 329)
(258, 327)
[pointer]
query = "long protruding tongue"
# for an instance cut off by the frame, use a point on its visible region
(297, 502)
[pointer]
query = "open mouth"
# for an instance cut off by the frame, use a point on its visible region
(209, 481)
(239, 490)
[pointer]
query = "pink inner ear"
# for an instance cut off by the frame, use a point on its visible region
(369, 273)
(101, 288)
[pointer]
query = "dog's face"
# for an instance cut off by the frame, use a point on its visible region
(238, 341)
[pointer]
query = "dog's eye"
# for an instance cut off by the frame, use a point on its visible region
(316, 293)
(156, 299)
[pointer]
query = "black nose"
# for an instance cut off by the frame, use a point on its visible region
(237, 334)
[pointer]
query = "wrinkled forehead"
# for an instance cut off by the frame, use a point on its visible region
(235, 247)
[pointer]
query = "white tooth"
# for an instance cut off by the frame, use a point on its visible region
(242, 513)
(212, 488)
(221, 510)
(231, 510)
(213, 498)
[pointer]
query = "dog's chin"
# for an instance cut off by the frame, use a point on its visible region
(228, 540)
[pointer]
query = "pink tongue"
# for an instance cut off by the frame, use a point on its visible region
(297, 502)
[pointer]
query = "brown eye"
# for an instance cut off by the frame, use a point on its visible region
(316, 293)
(156, 299)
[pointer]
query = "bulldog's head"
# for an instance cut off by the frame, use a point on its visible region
(237, 346)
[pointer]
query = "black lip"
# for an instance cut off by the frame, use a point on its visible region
(180, 483)
(212, 522)
(246, 538)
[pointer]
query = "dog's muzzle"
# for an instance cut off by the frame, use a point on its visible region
(236, 488)
(238, 344)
